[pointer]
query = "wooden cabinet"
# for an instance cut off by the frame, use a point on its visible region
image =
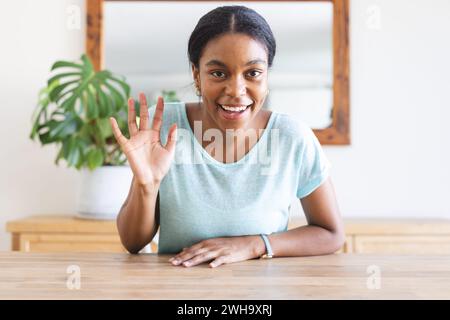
(394, 236)
(427, 244)
(57, 233)
(63, 234)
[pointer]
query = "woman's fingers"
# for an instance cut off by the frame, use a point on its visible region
(117, 133)
(172, 138)
(132, 126)
(220, 260)
(200, 258)
(189, 255)
(157, 117)
(143, 124)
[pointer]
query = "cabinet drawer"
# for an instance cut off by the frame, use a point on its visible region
(402, 244)
(54, 242)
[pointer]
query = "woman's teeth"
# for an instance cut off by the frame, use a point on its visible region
(233, 109)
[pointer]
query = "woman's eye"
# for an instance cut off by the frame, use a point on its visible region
(217, 72)
(253, 72)
(220, 74)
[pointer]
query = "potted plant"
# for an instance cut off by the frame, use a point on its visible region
(73, 112)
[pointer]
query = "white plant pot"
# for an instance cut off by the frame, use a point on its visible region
(103, 191)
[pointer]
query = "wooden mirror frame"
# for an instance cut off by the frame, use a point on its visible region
(338, 133)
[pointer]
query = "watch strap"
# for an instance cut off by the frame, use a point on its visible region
(269, 252)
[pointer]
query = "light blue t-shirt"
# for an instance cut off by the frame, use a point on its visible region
(202, 198)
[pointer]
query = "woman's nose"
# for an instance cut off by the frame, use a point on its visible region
(236, 88)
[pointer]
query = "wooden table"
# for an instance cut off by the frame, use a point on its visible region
(150, 276)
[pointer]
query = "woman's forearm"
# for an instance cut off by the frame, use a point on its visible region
(307, 240)
(136, 221)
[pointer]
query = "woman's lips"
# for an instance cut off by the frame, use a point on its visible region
(234, 104)
(233, 115)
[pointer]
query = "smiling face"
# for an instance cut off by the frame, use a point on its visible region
(233, 80)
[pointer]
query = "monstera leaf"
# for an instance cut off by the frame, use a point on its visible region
(73, 111)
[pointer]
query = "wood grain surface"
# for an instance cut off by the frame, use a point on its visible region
(150, 276)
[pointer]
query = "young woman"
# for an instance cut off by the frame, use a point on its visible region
(229, 202)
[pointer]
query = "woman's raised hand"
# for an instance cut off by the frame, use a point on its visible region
(148, 158)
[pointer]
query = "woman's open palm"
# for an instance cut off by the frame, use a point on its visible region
(148, 158)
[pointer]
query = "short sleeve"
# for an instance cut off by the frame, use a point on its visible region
(313, 167)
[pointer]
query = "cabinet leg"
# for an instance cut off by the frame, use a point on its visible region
(15, 242)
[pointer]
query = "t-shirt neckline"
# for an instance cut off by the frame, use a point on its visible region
(214, 161)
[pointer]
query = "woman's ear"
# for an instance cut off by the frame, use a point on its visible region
(193, 68)
(195, 73)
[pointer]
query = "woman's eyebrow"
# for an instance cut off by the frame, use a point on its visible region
(220, 63)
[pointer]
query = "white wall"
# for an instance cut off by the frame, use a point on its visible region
(397, 164)
(34, 34)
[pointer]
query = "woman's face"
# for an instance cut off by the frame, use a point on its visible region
(232, 79)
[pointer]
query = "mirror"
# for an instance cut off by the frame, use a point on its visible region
(146, 41)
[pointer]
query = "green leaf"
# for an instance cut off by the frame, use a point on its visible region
(41, 108)
(60, 64)
(73, 152)
(36, 116)
(103, 75)
(103, 101)
(65, 95)
(44, 132)
(59, 156)
(45, 139)
(88, 68)
(119, 100)
(84, 133)
(92, 106)
(63, 75)
(105, 127)
(94, 158)
(57, 90)
(69, 104)
(64, 128)
(123, 84)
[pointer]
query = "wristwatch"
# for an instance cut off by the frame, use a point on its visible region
(269, 253)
